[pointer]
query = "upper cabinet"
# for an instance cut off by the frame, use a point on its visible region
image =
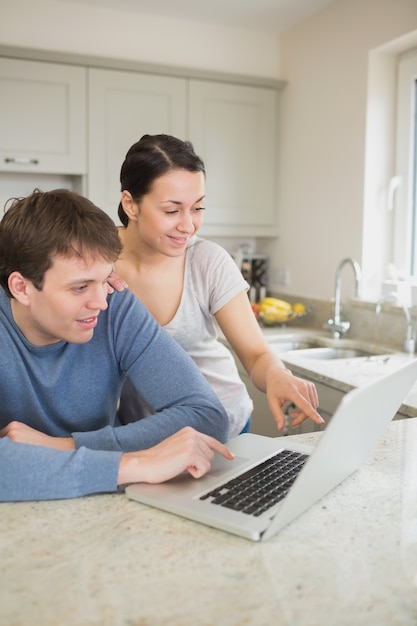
(123, 106)
(234, 129)
(42, 117)
(60, 118)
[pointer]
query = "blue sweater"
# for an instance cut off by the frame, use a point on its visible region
(73, 389)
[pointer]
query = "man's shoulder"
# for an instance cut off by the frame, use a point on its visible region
(124, 303)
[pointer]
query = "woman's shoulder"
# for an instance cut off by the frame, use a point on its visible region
(200, 248)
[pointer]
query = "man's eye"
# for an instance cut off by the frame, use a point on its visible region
(80, 289)
(171, 212)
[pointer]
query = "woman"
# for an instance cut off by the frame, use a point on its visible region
(189, 284)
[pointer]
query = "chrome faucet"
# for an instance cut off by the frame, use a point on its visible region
(337, 325)
(409, 343)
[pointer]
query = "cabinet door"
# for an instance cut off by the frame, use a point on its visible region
(123, 106)
(233, 128)
(42, 117)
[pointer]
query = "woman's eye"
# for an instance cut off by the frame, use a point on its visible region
(176, 211)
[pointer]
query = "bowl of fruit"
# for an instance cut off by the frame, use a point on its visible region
(274, 311)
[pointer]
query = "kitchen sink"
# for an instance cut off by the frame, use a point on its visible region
(332, 353)
(325, 348)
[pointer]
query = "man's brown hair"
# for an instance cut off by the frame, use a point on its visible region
(44, 224)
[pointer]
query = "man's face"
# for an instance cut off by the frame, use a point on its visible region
(67, 307)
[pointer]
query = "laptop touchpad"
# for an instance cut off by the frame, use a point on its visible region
(220, 465)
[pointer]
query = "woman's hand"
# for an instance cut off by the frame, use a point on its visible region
(267, 372)
(282, 387)
(114, 281)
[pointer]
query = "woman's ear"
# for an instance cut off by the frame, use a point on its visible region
(129, 205)
(18, 286)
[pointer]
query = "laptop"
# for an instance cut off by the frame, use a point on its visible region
(309, 472)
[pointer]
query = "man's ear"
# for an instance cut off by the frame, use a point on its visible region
(18, 286)
(129, 206)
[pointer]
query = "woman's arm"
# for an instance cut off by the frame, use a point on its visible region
(267, 372)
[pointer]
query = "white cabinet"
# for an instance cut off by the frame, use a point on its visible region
(123, 106)
(42, 117)
(64, 119)
(234, 129)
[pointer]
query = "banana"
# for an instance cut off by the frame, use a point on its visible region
(274, 310)
(277, 311)
(277, 304)
(272, 315)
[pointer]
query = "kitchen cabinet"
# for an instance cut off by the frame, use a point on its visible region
(122, 107)
(42, 117)
(234, 128)
(80, 120)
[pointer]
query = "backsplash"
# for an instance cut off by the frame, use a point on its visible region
(389, 328)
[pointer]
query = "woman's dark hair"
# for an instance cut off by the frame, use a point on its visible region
(44, 224)
(151, 157)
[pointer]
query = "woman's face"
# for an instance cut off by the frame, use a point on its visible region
(172, 211)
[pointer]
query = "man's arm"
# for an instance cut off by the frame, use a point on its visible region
(186, 451)
(30, 472)
(167, 380)
(128, 341)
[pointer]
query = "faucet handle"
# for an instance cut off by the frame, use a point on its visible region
(338, 329)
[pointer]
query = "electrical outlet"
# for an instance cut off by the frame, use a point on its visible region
(283, 276)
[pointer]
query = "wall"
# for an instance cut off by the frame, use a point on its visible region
(326, 211)
(65, 26)
(323, 142)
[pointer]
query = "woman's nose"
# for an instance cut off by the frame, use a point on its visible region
(186, 223)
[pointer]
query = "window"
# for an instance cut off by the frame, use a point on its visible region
(403, 187)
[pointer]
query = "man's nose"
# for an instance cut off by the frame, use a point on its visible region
(98, 299)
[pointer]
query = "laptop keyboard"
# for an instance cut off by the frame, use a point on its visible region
(256, 490)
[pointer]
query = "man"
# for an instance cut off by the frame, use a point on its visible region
(67, 347)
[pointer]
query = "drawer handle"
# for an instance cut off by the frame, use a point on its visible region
(21, 160)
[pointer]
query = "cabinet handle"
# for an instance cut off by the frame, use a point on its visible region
(21, 160)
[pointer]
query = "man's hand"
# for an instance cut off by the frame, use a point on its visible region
(186, 450)
(21, 433)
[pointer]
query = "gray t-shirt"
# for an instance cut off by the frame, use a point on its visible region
(211, 280)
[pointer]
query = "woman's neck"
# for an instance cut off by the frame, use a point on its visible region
(138, 254)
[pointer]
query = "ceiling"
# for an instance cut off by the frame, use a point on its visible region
(275, 15)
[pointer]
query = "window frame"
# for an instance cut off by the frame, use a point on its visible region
(403, 185)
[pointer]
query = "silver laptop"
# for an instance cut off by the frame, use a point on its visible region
(295, 476)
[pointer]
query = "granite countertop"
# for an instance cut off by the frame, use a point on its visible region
(351, 560)
(342, 374)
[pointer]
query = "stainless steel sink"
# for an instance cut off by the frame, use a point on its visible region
(311, 347)
(331, 353)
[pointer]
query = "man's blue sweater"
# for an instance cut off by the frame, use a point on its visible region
(66, 389)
